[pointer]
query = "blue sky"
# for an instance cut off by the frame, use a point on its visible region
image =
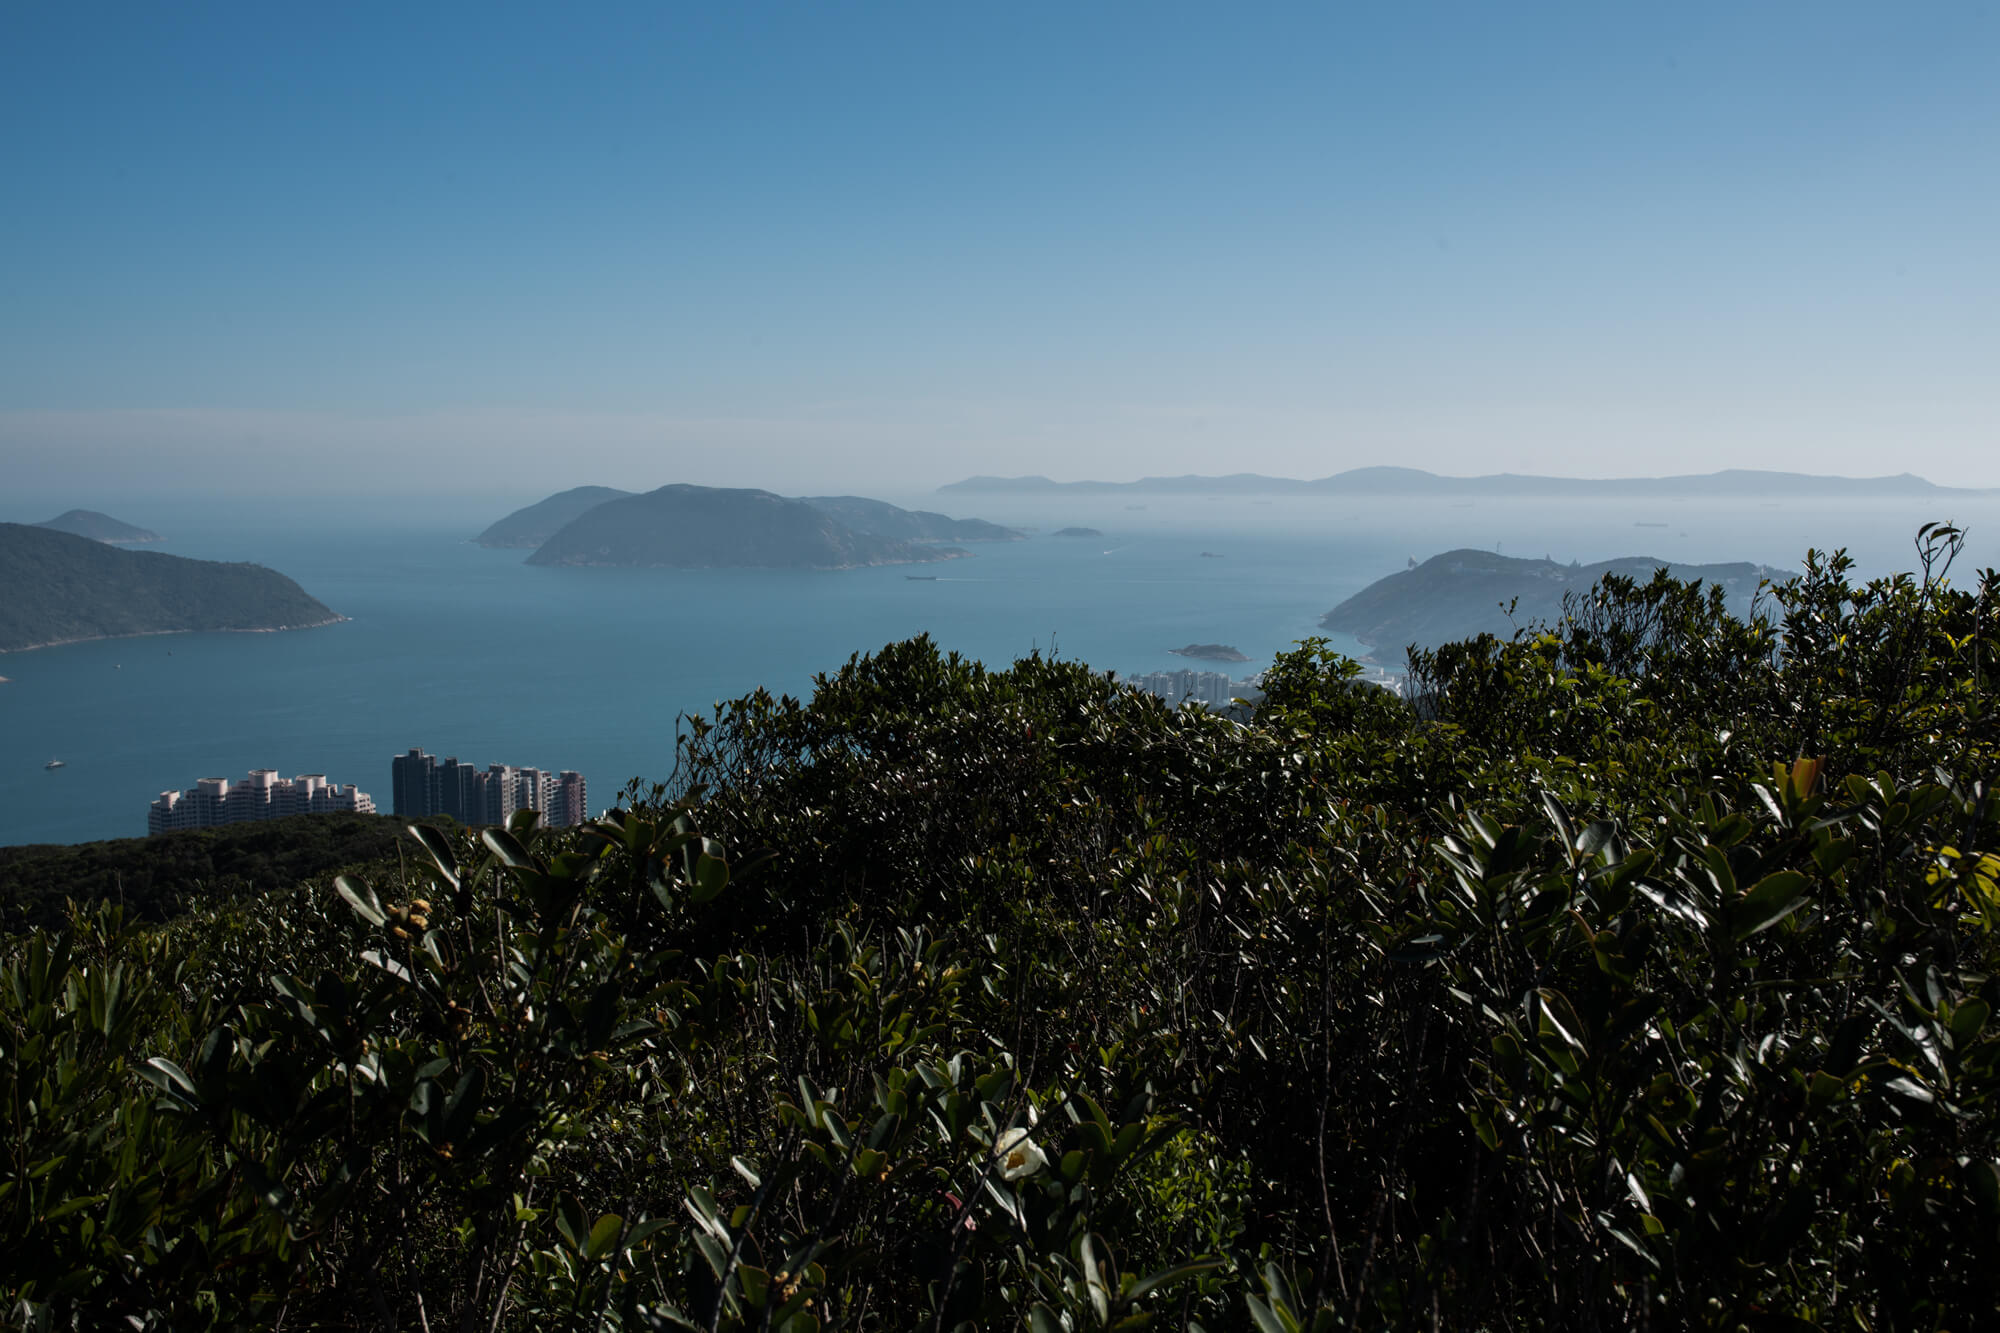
(511, 247)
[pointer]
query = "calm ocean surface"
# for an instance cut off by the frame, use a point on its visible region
(471, 652)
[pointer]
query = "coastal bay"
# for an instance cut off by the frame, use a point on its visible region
(463, 649)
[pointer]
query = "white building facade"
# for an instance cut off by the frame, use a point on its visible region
(212, 802)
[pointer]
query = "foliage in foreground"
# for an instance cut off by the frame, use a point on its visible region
(1638, 974)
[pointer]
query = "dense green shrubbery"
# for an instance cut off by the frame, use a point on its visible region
(159, 877)
(1638, 973)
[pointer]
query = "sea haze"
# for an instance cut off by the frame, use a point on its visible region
(470, 651)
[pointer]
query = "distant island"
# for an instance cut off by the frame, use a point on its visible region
(532, 526)
(1461, 593)
(538, 523)
(56, 587)
(1076, 532)
(1210, 652)
(100, 527)
(706, 527)
(1415, 482)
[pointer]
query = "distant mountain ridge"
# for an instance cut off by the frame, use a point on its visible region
(1414, 481)
(56, 587)
(1459, 594)
(706, 527)
(100, 527)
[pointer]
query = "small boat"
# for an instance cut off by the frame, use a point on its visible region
(921, 578)
(55, 763)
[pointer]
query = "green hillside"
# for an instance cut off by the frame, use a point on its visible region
(162, 876)
(58, 588)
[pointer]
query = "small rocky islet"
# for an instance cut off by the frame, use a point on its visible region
(1211, 652)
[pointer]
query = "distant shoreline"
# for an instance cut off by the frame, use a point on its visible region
(160, 633)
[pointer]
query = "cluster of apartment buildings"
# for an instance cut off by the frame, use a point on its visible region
(1212, 688)
(427, 785)
(263, 795)
(1218, 692)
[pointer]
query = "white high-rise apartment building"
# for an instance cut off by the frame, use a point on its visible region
(425, 786)
(1213, 688)
(263, 795)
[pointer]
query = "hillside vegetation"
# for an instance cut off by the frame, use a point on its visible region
(56, 587)
(1641, 976)
(160, 877)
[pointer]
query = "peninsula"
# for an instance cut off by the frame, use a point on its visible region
(1463, 593)
(100, 527)
(56, 587)
(705, 527)
(1210, 652)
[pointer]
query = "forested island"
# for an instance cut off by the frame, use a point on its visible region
(1213, 652)
(1636, 975)
(1464, 593)
(701, 527)
(59, 588)
(707, 527)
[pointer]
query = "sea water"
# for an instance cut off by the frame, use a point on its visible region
(473, 653)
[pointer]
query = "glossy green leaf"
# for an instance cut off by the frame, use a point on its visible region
(1767, 902)
(1166, 1277)
(362, 899)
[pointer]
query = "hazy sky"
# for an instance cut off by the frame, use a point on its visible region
(264, 247)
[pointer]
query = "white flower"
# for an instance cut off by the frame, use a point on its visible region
(1017, 1155)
